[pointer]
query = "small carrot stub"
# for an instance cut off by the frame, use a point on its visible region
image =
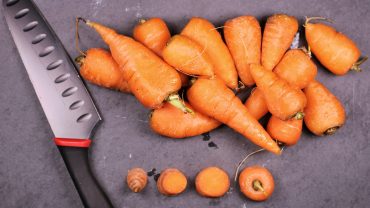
(205, 34)
(324, 113)
(188, 57)
(287, 132)
(212, 182)
(171, 122)
(243, 38)
(256, 183)
(153, 33)
(333, 49)
(297, 68)
(278, 35)
(99, 67)
(171, 182)
(136, 179)
(211, 97)
(283, 100)
(256, 104)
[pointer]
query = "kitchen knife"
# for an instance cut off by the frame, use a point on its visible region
(67, 104)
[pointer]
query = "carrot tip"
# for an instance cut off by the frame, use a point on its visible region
(356, 66)
(331, 130)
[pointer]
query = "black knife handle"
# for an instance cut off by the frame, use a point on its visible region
(76, 160)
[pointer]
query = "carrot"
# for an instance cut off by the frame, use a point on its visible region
(212, 97)
(187, 56)
(243, 38)
(153, 33)
(287, 132)
(186, 125)
(205, 34)
(256, 104)
(212, 182)
(184, 79)
(256, 183)
(279, 33)
(98, 67)
(337, 52)
(136, 179)
(283, 101)
(324, 113)
(171, 182)
(296, 68)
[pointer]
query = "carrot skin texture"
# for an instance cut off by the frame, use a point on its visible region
(150, 79)
(256, 104)
(283, 100)
(205, 34)
(212, 97)
(278, 35)
(297, 68)
(287, 132)
(243, 38)
(186, 125)
(334, 50)
(323, 110)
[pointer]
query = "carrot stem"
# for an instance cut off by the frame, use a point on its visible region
(298, 116)
(174, 99)
(308, 19)
(306, 51)
(331, 130)
(80, 59)
(78, 19)
(257, 185)
(356, 66)
(142, 21)
(242, 162)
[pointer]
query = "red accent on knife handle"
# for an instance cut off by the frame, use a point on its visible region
(67, 142)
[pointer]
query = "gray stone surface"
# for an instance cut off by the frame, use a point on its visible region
(318, 172)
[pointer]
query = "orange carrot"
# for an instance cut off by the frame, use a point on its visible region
(283, 101)
(279, 33)
(324, 113)
(187, 56)
(99, 67)
(256, 104)
(212, 97)
(296, 68)
(153, 33)
(243, 38)
(334, 50)
(212, 182)
(205, 34)
(171, 182)
(256, 183)
(186, 125)
(287, 132)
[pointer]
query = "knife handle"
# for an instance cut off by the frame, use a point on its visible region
(75, 156)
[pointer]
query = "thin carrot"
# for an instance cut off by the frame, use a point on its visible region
(279, 33)
(287, 132)
(256, 104)
(171, 182)
(296, 68)
(256, 183)
(337, 52)
(212, 97)
(212, 182)
(243, 38)
(186, 125)
(187, 56)
(205, 34)
(324, 113)
(283, 100)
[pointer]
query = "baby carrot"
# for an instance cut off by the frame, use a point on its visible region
(256, 183)
(171, 182)
(279, 33)
(212, 97)
(212, 182)
(333, 49)
(187, 56)
(205, 34)
(243, 38)
(283, 101)
(287, 132)
(256, 104)
(324, 113)
(186, 125)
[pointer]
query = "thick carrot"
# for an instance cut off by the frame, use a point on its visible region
(333, 49)
(324, 113)
(287, 132)
(283, 100)
(186, 125)
(171, 182)
(212, 97)
(98, 67)
(187, 56)
(256, 183)
(205, 34)
(212, 182)
(153, 33)
(296, 68)
(279, 32)
(243, 38)
(256, 104)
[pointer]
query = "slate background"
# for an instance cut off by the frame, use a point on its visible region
(318, 172)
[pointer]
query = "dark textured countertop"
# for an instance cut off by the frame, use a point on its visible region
(331, 171)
